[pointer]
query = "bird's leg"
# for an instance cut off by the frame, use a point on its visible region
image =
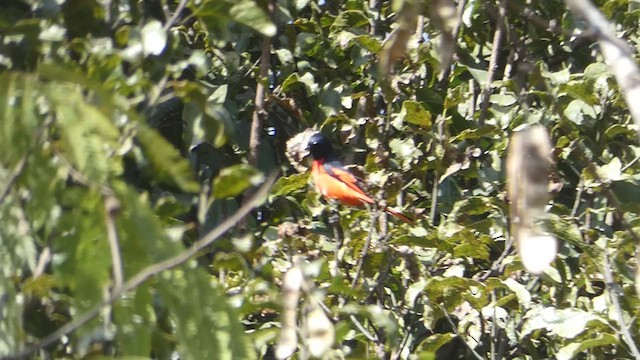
(334, 222)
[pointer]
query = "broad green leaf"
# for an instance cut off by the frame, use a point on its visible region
(414, 113)
(233, 180)
(18, 93)
(503, 100)
(290, 184)
(611, 171)
(247, 12)
(566, 323)
(432, 343)
(165, 160)
(349, 19)
(596, 70)
(135, 336)
(450, 291)
(370, 43)
(571, 350)
(524, 297)
(480, 75)
(206, 325)
(473, 250)
(90, 137)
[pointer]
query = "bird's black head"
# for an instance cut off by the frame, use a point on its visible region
(320, 147)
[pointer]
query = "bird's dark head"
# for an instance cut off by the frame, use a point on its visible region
(320, 147)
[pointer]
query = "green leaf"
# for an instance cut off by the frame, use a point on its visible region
(206, 326)
(247, 12)
(167, 164)
(414, 113)
(233, 180)
(571, 350)
(90, 138)
(432, 343)
(369, 42)
(473, 250)
(611, 171)
(290, 184)
(349, 19)
(566, 323)
(503, 100)
(18, 93)
(524, 297)
(628, 194)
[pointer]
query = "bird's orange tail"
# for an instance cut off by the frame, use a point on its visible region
(399, 215)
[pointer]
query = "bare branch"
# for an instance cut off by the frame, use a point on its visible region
(498, 38)
(612, 288)
(454, 328)
(152, 270)
(175, 15)
(111, 207)
(259, 113)
(617, 54)
(443, 77)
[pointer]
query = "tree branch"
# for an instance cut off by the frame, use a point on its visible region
(259, 113)
(111, 207)
(612, 288)
(616, 52)
(152, 270)
(498, 36)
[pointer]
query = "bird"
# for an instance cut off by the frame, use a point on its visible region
(335, 182)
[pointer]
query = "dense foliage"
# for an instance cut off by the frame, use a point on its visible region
(126, 133)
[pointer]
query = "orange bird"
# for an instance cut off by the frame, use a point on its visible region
(334, 181)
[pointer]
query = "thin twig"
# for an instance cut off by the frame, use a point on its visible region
(43, 260)
(15, 174)
(498, 36)
(630, 164)
(576, 203)
(455, 331)
(175, 15)
(364, 331)
(496, 264)
(152, 270)
(338, 236)
(259, 113)
(111, 207)
(612, 288)
(365, 249)
(434, 197)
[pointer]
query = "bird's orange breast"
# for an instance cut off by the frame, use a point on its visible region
(341, 186)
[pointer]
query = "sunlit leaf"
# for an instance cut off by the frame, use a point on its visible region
(234, 180)
(414, 113)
